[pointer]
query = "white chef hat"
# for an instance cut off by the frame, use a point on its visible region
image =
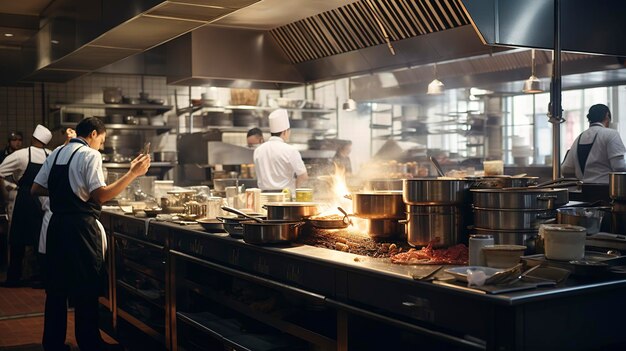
(42, 134)
(279, 121)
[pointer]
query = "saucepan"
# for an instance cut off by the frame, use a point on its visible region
(332, 221)
(262, 232)
(233, 225)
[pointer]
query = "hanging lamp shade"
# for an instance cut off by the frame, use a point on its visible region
(436, 86)
(532, 85)
(349, 104)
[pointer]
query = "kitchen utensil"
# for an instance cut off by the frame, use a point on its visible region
(476, 244)
(345, 213)
(294, 211)
(520, 198)
(440, 226)
(111, 95)
(271, 231)
(588, 217)
(152, 212)
(329, 222)
(564, 242)
(617, 185)
(503, 256)
(211, 225)
(378, 204)
(437, 166)
(428, 191)
(233, 225)
(242, 214)
(511, 219)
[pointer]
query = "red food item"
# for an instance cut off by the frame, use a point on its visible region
(457, 254)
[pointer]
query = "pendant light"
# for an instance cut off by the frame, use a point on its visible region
(532, 85)
(436, 86)
(349, 105)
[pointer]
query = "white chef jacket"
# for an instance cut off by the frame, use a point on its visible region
(277, 164)
(15, 164)
(606, 155)
(85, 174)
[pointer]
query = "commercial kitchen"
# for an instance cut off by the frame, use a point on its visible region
(453, 229)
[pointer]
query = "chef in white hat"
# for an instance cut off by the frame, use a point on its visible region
(21, 167)
(278, 164)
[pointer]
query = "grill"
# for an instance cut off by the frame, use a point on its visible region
(354, 26)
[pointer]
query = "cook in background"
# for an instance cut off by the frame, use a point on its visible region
(76, 243)
(14, 143)
(278, 164)
(255, 137)
(68, 133)
(342, 156)
(22, 166)
(596, 151)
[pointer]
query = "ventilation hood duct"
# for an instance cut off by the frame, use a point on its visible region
(81, 36)
(586, 26)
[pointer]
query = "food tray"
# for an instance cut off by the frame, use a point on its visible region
(593, 264)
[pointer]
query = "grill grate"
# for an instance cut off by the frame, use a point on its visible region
(354, 26)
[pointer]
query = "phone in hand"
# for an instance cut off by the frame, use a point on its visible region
(146, 148)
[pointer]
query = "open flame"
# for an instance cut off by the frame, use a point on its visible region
(338, 196)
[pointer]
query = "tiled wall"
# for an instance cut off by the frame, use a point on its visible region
(20, 110)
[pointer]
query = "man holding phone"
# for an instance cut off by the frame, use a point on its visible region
(76, 242)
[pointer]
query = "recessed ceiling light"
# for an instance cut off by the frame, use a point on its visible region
(54, 41)
(8, 34)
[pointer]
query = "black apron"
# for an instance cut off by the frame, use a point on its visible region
(27, 212)
(74, 254)
(583, 151)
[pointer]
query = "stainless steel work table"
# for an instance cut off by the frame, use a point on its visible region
(576, 315)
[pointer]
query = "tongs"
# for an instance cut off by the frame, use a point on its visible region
(558, 183)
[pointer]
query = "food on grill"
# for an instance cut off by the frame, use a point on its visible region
(457, 254)
(348, 241)
(331, 217)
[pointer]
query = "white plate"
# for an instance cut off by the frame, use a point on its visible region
(460, 273)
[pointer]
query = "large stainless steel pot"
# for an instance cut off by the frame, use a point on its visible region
(588, 217)
(430, 191)
(512, 237)
(511, 219)
(383, 184)
(617, 185)
(271, 232)
(529, 198)
(383, 229)
(378, 204)
(440, 225)
(497, 182)
(293, 211)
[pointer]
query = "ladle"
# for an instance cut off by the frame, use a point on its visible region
(437, 166)
(240, 213)
(345, 214)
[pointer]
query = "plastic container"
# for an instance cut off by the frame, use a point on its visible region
(564, 242)
(503, 256)
(493, 167)
(476, 245)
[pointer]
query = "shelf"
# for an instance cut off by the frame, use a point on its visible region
(282, 325)
(157, 302)
(127, 165)
(127, 126)
(180, 111)
(117, 106)
(380, 126)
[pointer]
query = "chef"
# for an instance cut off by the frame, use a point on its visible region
(278, 164)
(22, 166)
(73, 179)
(597, 151)
(255, 137)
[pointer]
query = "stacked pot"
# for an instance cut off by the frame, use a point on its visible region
(382, 209)
(617, 193)
(513, 216)
(437, 211)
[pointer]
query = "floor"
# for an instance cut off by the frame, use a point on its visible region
(21, 319)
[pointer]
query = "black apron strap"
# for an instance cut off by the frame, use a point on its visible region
(583, 151)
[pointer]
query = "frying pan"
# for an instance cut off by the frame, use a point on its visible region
(323, 223)
(211, 225)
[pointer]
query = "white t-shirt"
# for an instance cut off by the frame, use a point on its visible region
(85, 174)
(606, 155)
(277, 164)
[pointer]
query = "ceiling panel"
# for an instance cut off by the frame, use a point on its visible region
(194, 12)
(24, 7)
(233, 4)
(145, 32)
(90, 58)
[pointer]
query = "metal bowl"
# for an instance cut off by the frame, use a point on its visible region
(211, 225)
(588, 217)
